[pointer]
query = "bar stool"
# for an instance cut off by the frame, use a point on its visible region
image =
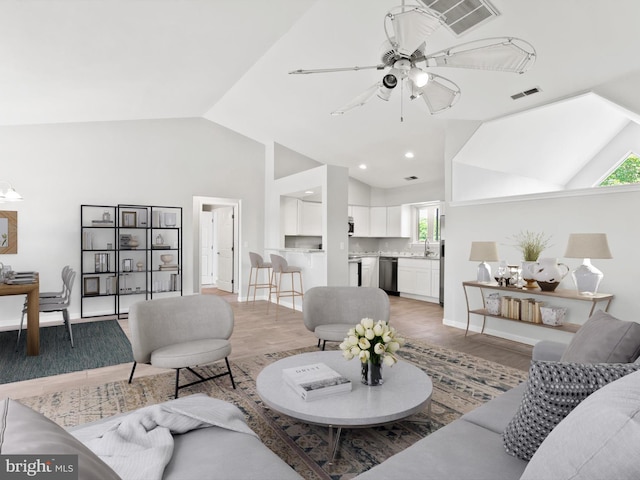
(257, 264)
(280, 268)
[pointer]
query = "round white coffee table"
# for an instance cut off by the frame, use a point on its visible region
(406, 390)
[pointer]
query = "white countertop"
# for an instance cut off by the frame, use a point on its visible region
(296, 250)
(419, 256)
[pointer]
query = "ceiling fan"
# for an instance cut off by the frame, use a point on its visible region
(405, 60)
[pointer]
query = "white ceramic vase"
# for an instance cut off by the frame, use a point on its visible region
(549, 270)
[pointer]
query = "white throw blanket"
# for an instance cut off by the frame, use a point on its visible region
(139, 445)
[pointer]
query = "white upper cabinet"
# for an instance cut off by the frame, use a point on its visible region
(399, 221)
(378, 225)
(290, 210)
(360, 221)
(311, 219)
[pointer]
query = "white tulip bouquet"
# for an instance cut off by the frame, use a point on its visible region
(372, 342)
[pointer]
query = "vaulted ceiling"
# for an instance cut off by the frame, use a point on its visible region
(227, 60)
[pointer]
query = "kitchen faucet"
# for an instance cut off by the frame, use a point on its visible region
(426, 247)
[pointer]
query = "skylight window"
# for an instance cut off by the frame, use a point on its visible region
(627, 173)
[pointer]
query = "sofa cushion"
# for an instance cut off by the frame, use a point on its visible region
(599, 439)
(26, 432)
(459, 450)
(496, 414)
(604, 339)
(553, 390)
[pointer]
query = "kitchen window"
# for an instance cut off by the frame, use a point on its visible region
(426, 222)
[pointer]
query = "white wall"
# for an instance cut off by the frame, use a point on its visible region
(59, 167)
(612, 211)
(334, 183)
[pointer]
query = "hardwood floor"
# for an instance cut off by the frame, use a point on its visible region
(259, 331)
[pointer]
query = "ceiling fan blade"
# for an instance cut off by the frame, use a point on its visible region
(360, 100)
(498, 54)
(439, 93)
(339, 69)
(411, 26)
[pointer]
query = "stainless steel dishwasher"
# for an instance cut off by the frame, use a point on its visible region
(389, 275)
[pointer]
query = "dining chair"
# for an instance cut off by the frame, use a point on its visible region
(60, 294)
(53, 304)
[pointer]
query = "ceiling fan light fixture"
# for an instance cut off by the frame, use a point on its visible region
(418, 76)
(388, 83)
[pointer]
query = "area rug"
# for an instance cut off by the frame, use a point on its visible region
(461, 383)
(97, 344)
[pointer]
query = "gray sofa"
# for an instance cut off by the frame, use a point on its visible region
(580, 408)
(584, 425)
(202, 453)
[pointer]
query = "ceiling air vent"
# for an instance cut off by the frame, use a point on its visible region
(412, 177)
(526, 93)
(463, 15)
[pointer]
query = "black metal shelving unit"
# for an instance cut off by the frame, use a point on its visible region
(137, 267)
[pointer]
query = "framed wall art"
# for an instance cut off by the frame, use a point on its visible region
(129, 219)
(8, 231)
(91, 286)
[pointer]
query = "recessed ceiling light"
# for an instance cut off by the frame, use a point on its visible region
(409, 155)
(308, 192)
(362, 166)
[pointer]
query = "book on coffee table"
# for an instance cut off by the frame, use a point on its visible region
(315, 381)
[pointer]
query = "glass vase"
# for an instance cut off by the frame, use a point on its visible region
(372, 373)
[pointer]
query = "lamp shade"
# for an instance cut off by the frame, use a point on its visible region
(588, 245)
(484, 252)
(8, 194)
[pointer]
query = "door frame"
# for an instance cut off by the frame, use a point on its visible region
(198, 203)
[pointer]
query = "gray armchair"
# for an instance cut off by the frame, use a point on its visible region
(329, 312)
(182, 332)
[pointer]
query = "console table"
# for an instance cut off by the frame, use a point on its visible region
(536, 292)
(32, 291)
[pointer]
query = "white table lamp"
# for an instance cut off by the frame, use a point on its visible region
(587, 246)
(484, 252)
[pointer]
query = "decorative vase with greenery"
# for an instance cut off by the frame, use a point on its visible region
(531, 245)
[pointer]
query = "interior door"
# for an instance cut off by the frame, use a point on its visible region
(206, 248)
(224, 242)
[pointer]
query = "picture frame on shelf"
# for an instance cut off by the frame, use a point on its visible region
(91, 286)
(8, 232)
(125, 241)
(129, 218)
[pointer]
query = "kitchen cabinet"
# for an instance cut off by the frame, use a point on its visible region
(361, 220)
(378, 221)
(353, 274)
(419, 277)
(311, 219)
(290, 211)
(369, 272)
(300, 218)
(399, 221)
(381, 222)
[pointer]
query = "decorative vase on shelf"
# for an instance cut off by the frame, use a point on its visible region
(549, 273)
(528, 274)
(372, 373)
(133, 243)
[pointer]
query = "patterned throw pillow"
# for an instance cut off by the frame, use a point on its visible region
(553, 390)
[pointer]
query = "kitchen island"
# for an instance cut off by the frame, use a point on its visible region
(312, 262)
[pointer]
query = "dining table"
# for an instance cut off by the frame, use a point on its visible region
(32, 291)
